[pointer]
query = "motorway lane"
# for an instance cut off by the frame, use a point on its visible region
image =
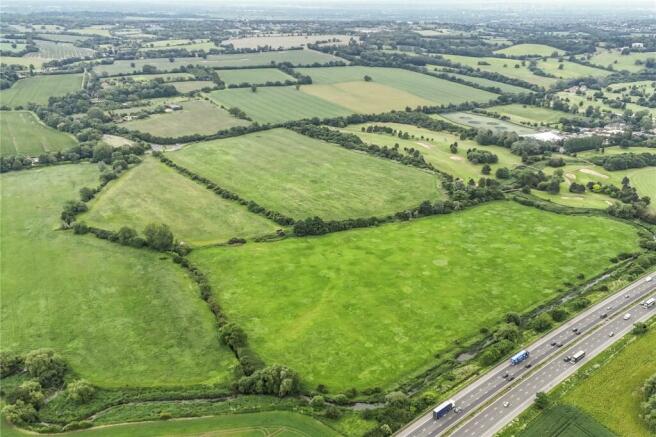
(482, 390)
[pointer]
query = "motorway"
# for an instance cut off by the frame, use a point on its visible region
(480, 404)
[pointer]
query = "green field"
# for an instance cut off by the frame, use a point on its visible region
(612, 394)
(190, 45)
(196, 117)
(621, 62)
(59, 50)
(285, 41)
(289, 104)
(616, 150)
(188, 86)
(524, 114)
(565, 421)
(511, 89)
(7, 46)
(268, 423)
(296, 57)
(22, 133)
(154, 192)
(61, 37)
(435, 148)
(302, 177)
(119, 316)
(529, 49)
(370, 307)
(588, 99)
(38, 89)
(252, 75)
(479, 121)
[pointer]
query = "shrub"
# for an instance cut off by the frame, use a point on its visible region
(165, 416)
(159, 237)
(639, 328)
(274, 380)
(9, 364)
(232, 336)
(80, 391)
(542, 401)
(558, 314)
(340, 399)
(20, 413)
(332, 412)
(47, 366)
(541, 323)
(318, 402)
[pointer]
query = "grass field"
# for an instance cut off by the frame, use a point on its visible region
(22, 133)
(482, 122)
(166, 77)
(369, 307)
(154, 192)
(612, 394)
(59, 50)
(296, 57)
(435, 148)
(7, 46)
(511, 89)
(268, 423)
(583, 101)
(253, 75)
(565, 421)
(284, 41)
(620, 62)
(530, 49)
(290, 104)
(57, 37)
(38, 89)
(302, 177)
(24, 61)
(187, 44)
(119, 316)
(532, 115)
(196, 117)
(616, 150)
(192, 85)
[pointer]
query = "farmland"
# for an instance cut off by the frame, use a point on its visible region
(618, 61)
(565, 421)
(252, 75)
(588, 99)
(119, 316)
(482, 122)
(611, 394)
(59, 50)
(296, 57)
(506, 67)
(38, 89)
(194, 214)
(302, 177)
(350, 307)
(196, 117)
(511, 89)
(187, 44)
(188, 86)
(284, 41)
(530, 115)
(530, 49)
(21, 133)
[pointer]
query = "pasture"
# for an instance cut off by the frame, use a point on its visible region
(611, 393)
(59, 50)
(22, 133)
(434, 146)
(190, 45)
(588, 99)
(119, 316)
(38, 89)
(255, 76)
(188, 86)
(296, 57)
(564, 421)
(37, 63)
(478, 121)
(505, 88)
(613, 58)
(196, 117)
(371, 307)
(284, 41)
(155, 192)
(12, 46)
(58, 37)
(528, 115)
(289, 104)
(303, 177)
(530, 50)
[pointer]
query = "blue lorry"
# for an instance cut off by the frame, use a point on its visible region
(519, 357)
(443, 408)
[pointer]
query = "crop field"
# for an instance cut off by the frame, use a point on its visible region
(435, 149)
(565, 421)
(119, 316)
(196, 117)
(510, 89)
(570, 70)
(267, 423)
(290, 104)
(611, 394)
(531, 115)
(285, 41)
(59, 50)
(187, 44)
(353, 309)
(7, 46)
(253, 75)
(192, 85)
(296, 57)
(100, 30)
(38, 89)
(58, 37)
(302, 177)
(154, 192)
(479, 121)
(22, 133)
(530, 49)
(621, 62)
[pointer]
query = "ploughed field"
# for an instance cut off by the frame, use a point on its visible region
(371, 307)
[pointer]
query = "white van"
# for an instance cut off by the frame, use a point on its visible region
(627, 316)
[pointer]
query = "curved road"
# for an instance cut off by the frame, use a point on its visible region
(480, 404)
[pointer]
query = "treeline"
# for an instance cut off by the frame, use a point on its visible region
(625, 161)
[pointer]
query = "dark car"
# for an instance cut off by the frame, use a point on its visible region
(511, 378)
(566, 359)
(553, 343)
(559, 345)
(528, 366)
(604, 315)
(505, 375)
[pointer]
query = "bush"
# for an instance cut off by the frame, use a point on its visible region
(20, 413)
(332, 412)
(274, 380)
(639, 328)
(232, 336)
(340, 399)
(80, 391)
(542, 401)
(558, 314)
(165, 416)
(318, 402)
(47, 366)
(9, 364)
(159, 237)
(541, 323)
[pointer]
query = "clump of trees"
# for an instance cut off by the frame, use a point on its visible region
(625, 161)
(477, 156)
(272, 380)
(648, 406)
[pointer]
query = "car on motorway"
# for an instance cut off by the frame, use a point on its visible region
(505, 375)
(627, 316)
(648, 279)
(529, 365)
(510, 378)
(553, 343)
(611, 333)
(609, 307)
(626, 296)
(559, 345)
(603, 315)
(457, 410)
(506, 404)
(567, 358)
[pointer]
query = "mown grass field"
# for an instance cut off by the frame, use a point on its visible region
(435, 149)
(289, 104)
(524, 114)
(529, 49)
(583, 101)
(302, 177)
(511, 89)
(565, 421)
(188, 86)
(370, 307)
(267, 423)
(7, 46)
(479, 121)
(119, 316)
(59, 50)
(284, 41)
(296, 57)
(616, 150)
(201, 44)
(38, 89)
(22, 133)
(196, 117)
(612, 393)
(252, 75)
(153, 192)
(621, 62)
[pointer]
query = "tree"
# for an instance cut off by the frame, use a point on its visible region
(20, 413)
(254, 88)
(80, 391)
(232, 335)
(317, 402)
(367, 78)
(274, 380)
(486, 170)
(29, 392)
(502, 173)
(87, 194)
(558, 314)
(542, 401)
(514, 318)
(541, 323)
(47, 366)
(102, 152)
(9, 364)
(159, 237)
(454, 148)
(126, 235)
(639, 328)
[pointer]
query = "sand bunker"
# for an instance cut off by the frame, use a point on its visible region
(425, 145)
(456, 158)
(593, 173)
